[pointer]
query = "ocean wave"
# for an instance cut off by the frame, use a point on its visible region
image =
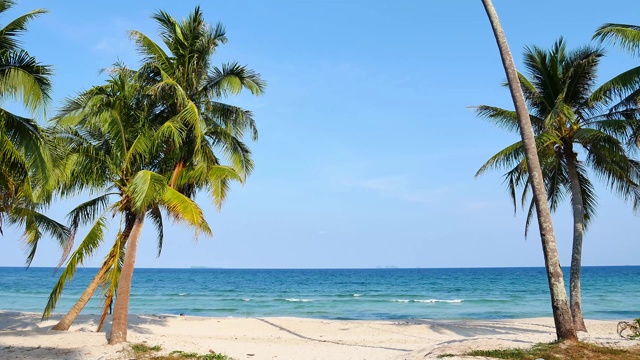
(455, 301)
(246, 299)
(298, 300)
(183, 294)
(429, 301)
(357, 295)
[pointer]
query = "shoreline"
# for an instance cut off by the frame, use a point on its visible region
(22, 335)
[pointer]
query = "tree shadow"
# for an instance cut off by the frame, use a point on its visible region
(18, 330)
(39, 352)
(476, 328)
(304, 337)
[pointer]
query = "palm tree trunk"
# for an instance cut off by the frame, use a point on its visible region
(65, 323)
(578, 232)
(121, 309)
(561, 313)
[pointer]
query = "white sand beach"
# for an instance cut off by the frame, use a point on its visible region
(23, 336)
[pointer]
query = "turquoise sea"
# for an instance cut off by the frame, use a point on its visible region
(485, 293)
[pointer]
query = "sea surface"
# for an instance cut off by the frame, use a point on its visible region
(485, 293)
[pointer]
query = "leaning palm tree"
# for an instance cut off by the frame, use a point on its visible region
(559, 305)
(189, 122)
(26, 180)
(569, 117)
(110, 153)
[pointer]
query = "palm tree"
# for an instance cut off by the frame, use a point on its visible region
(568, 117)
(193, 122)
(559, 305)
(191, 89)
(25, 162)
(189, 124)
(110, 142)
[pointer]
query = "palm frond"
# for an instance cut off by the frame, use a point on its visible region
(22, 77)
(156, 217)
(145, 188)
(231, 79)
(184, 209)
(623, 35)
(87, 247)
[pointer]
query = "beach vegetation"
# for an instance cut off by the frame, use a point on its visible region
(144, 351)
(579, 130)
(195, 125)
(562, 350)
(142, 348)
(522, 121)
(109, 136)
(159, 132)
(626, 86)
(27, 161)
(625, 35)
(191, 355)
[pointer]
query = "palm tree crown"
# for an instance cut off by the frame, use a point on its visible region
(195, 121)
(568, 116)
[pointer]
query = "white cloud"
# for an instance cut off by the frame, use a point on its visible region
(399, 187)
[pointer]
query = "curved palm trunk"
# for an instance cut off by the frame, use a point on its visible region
(561, 313)
(121, 309)
(578, 232)
(65, 323)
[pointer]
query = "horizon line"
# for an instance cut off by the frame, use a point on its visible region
(322, 268)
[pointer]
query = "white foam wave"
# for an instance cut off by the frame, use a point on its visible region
(299, 300)
(246, 299)
(454, 301)
(182, 294)
(357, 295)
(430, 301)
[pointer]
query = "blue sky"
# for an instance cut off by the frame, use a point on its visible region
(367, 147)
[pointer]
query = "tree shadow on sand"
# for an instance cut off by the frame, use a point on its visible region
(39, 352)
(475, 328)
(19, 330)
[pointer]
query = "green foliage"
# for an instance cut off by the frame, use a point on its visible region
(626, 36)
(147, 140)
(568, 118)
(561, 350)
(144, 351)
(141, 348)
(27, 165)
(186, 355)
(193, 119)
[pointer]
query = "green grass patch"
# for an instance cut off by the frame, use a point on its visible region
(141, 348)
(177, 355)
(562, 351)
(146, 352)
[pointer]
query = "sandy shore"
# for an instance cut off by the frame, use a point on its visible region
(23, 336)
